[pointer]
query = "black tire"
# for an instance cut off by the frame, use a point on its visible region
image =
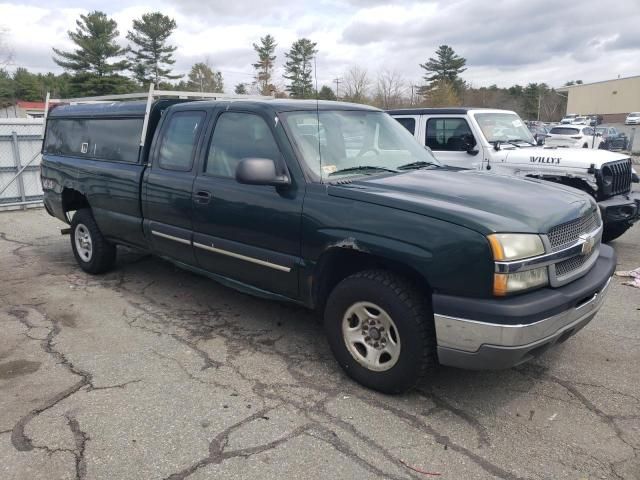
(585, 146)
(614, 230)
(411, 314)
(102, 255)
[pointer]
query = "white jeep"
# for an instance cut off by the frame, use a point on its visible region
(498, 141)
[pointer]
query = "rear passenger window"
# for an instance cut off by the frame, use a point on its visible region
(179, 140)
(448, 134)
(408, 123)
(238, 136)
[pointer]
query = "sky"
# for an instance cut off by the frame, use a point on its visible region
(505, 42)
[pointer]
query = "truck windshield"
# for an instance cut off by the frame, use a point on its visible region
(503, 127)
(354, 142)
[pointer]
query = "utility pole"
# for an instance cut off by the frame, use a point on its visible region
(200, 78)
(337, 81)
(539, 103)
(413, 88)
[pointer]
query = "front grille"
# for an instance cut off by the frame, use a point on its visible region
(567, 266)
(567, 233)
(621, 171)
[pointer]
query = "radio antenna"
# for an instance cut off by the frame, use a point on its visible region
(315, 75)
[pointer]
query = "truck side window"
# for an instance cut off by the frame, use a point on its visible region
(448, 134)
(238, 136)
(179, 140)
(408, 123)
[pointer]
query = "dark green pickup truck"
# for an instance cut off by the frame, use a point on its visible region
(335, 207)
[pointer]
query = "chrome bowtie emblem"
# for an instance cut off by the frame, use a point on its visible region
(588, 244)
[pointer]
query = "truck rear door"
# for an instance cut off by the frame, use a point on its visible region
(168, 184)
(248, 233)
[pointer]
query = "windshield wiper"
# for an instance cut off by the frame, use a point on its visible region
(362, 168)
(516, 141)
(417, 165)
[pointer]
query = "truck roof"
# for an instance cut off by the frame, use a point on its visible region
(434, 111)
(137, 108)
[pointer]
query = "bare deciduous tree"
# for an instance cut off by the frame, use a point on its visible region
(356, 84)
(390, 89)
(6, 54)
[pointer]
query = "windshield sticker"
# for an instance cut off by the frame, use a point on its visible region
(329, 169)
(552, 160)
(516, 123)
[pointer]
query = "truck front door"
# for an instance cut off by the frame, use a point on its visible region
(167, 186)
(452, 141)
(247, 233)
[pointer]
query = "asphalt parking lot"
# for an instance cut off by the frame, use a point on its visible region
(152, 372)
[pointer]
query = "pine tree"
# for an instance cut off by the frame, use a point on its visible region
(298, 68)
(446, 66)
(151, 56)
(94, 63)
(26, 85)
(264, 66)
(202, 78)
(7, 89)
(326, 93)
(241, 89)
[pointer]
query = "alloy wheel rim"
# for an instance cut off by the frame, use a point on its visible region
(84, 245)
(371, 336)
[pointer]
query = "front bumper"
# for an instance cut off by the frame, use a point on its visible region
(621, 208)
(483, 334)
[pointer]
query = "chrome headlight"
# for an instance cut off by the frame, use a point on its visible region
(507, 247)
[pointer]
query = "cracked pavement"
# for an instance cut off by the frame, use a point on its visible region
(153, 372)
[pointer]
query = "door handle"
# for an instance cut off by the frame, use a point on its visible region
(202, 196)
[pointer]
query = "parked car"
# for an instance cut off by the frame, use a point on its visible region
(573, 136)
(594, 120)
(568, 118)
(612, 138)
(580, 121)
(633, 119)
(411, 262)
(497, 141)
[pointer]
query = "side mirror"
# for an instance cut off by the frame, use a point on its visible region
(540, 141)
(469, 144)
(260, 171)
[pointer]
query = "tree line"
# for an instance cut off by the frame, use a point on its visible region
(98, 65)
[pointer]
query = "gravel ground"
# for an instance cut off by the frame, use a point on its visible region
(152, 372)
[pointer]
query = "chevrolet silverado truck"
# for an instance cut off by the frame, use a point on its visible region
(497, 141)
(335, 207)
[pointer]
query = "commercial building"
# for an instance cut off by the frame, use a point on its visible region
(613, 99)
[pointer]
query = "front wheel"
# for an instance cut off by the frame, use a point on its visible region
(380, 328)
(93, 252)
(614, 230)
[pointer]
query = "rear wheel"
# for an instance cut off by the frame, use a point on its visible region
(93, 252)
(380, 328)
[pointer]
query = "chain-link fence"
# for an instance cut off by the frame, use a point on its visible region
(20, 143)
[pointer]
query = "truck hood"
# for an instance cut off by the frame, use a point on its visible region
(557, 157)
(486, 203)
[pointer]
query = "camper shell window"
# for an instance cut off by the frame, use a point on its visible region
(111, 139)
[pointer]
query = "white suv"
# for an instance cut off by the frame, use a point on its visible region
(573, 136)
(633, 119)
